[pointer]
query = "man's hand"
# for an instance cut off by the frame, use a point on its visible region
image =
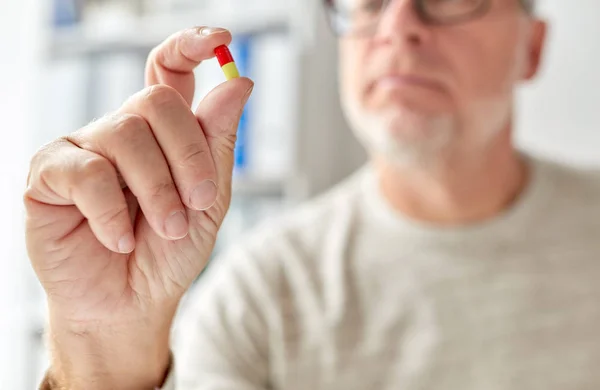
(123, 214)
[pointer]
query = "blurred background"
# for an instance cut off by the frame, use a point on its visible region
(65, 62)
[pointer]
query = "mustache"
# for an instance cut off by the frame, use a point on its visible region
(408, 69)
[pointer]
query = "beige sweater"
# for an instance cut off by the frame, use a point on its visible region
(345, 294)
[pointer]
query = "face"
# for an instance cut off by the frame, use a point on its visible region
(414, 91)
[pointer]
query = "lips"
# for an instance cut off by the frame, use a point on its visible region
(398, 81)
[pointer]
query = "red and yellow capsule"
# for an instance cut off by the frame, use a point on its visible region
(227, 63)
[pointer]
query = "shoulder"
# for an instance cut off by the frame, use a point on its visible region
(572, 181)
(572, 195)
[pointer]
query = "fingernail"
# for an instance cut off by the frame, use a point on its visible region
(204, 196)
(176, 226)
(206, 31)
(126, 243)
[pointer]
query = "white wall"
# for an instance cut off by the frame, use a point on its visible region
(559, 113)
(17, 113)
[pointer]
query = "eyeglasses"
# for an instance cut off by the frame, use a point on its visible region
(361, 17)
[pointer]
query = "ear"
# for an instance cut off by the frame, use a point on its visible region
(536, 48)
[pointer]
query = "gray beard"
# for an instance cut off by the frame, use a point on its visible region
(405, 147)
(422, 142)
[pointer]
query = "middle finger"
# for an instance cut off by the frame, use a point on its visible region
(182, 141)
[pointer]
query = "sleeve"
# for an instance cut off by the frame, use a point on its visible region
(48, 382)
(222, 332)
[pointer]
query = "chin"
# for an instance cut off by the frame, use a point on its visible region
(402, 136)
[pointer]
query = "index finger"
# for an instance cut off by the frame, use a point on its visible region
(173, 62)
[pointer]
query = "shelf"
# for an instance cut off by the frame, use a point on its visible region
(143, 33)
(259, 188)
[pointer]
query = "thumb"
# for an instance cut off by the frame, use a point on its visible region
(219, 114)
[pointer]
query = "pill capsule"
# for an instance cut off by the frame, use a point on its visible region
(227, 63)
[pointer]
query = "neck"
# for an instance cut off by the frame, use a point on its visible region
(461, 188)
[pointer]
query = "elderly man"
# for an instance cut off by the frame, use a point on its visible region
(451, 261)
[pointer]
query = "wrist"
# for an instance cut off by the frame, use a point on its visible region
(116, 356)
(51, 381)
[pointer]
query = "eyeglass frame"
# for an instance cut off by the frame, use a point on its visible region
(527, 5)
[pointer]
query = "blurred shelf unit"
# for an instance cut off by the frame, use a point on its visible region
(142, 33)
(293, 141)
(96, 37)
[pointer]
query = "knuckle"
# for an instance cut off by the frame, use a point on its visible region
(44, 162)
(111, 215)
(162, 53)
(192, 154)
(130, 128)
(38, 158)
(161, 97)
(162, 190)
(97, 172)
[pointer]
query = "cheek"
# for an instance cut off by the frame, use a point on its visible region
(353, 72)
(488, 67)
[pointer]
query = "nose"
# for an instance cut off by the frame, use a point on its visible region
(401, 23)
